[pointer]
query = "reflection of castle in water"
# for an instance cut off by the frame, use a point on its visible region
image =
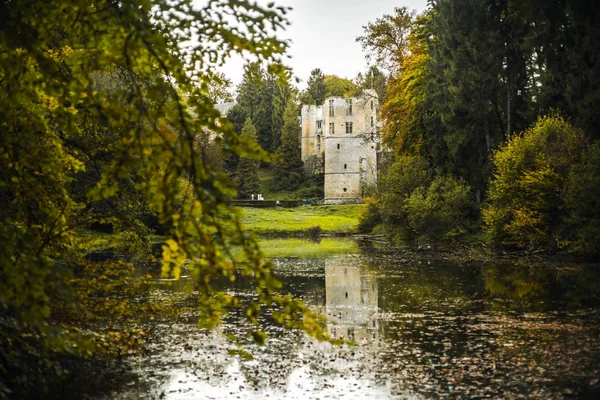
(350, 300)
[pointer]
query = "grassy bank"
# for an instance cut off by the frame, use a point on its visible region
(331, 219)
(307, 249)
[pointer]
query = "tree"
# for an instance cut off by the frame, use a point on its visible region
(385, 40)
(315, 90)
(407, 105)
(219, 89)
(582, 200)
(563, 43)
(283, 93)
(289, 168)
(246, 177)
(467, 56)
(339, 87)
(372, 79)
(54, 99)
(403, 177)
(263, 96)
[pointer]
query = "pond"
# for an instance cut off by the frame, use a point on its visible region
(423, 329)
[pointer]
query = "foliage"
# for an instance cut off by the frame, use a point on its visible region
(263, 97)
(338, 87)
(246, 176)
(370, 216)
(289, 168)
(440, 211)
(468, 73)
(418, 203)
(582, 201)
(219, 89)
(403, 177)
(374, 79)
(527, 191)
(101, 105)
(405, 109)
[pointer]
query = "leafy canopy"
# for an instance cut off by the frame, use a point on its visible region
(137, 72)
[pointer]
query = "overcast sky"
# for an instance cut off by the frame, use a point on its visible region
(323, 35)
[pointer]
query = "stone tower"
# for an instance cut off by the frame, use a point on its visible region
(340, 138)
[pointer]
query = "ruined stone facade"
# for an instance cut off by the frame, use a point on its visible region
(340, 138)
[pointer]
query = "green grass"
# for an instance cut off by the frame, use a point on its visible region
(340, 218)
(303, 248)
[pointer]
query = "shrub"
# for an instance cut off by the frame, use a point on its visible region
(527, 190)
(416, 202)
(439, 211)
(370, 216)
(402, 178)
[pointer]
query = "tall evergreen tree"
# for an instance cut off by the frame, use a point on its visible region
(563, 39)
(467, 60)
(263, 97)
(374, 79)
(289, 169)
(282, 94)
(315, 90)
(246, 178)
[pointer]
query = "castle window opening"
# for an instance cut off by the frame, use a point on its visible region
(371, 104)
(338, 146)
(345, 166)
(372, 122)
(348, 127)
(331, 108)
(345, 190)
(319, 124)
(331, 128)
(350, 107)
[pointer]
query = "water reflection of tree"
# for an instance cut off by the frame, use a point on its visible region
(540, 288)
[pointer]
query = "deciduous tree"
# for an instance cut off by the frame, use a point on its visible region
(55, 56)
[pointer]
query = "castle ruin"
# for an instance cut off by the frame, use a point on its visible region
(340, 138)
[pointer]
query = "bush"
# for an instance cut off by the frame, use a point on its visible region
(402, 178)
(416, 202)
(440, 211)
(528, 187)
(370, 216)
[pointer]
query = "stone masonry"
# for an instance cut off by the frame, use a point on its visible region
(340, 138)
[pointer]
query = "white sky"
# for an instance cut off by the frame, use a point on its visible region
(323, 35)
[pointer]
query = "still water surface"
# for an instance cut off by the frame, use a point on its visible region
(423, 329)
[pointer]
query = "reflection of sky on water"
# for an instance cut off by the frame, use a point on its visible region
(422, 331)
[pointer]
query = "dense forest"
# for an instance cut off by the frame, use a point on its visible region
(491, 112)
